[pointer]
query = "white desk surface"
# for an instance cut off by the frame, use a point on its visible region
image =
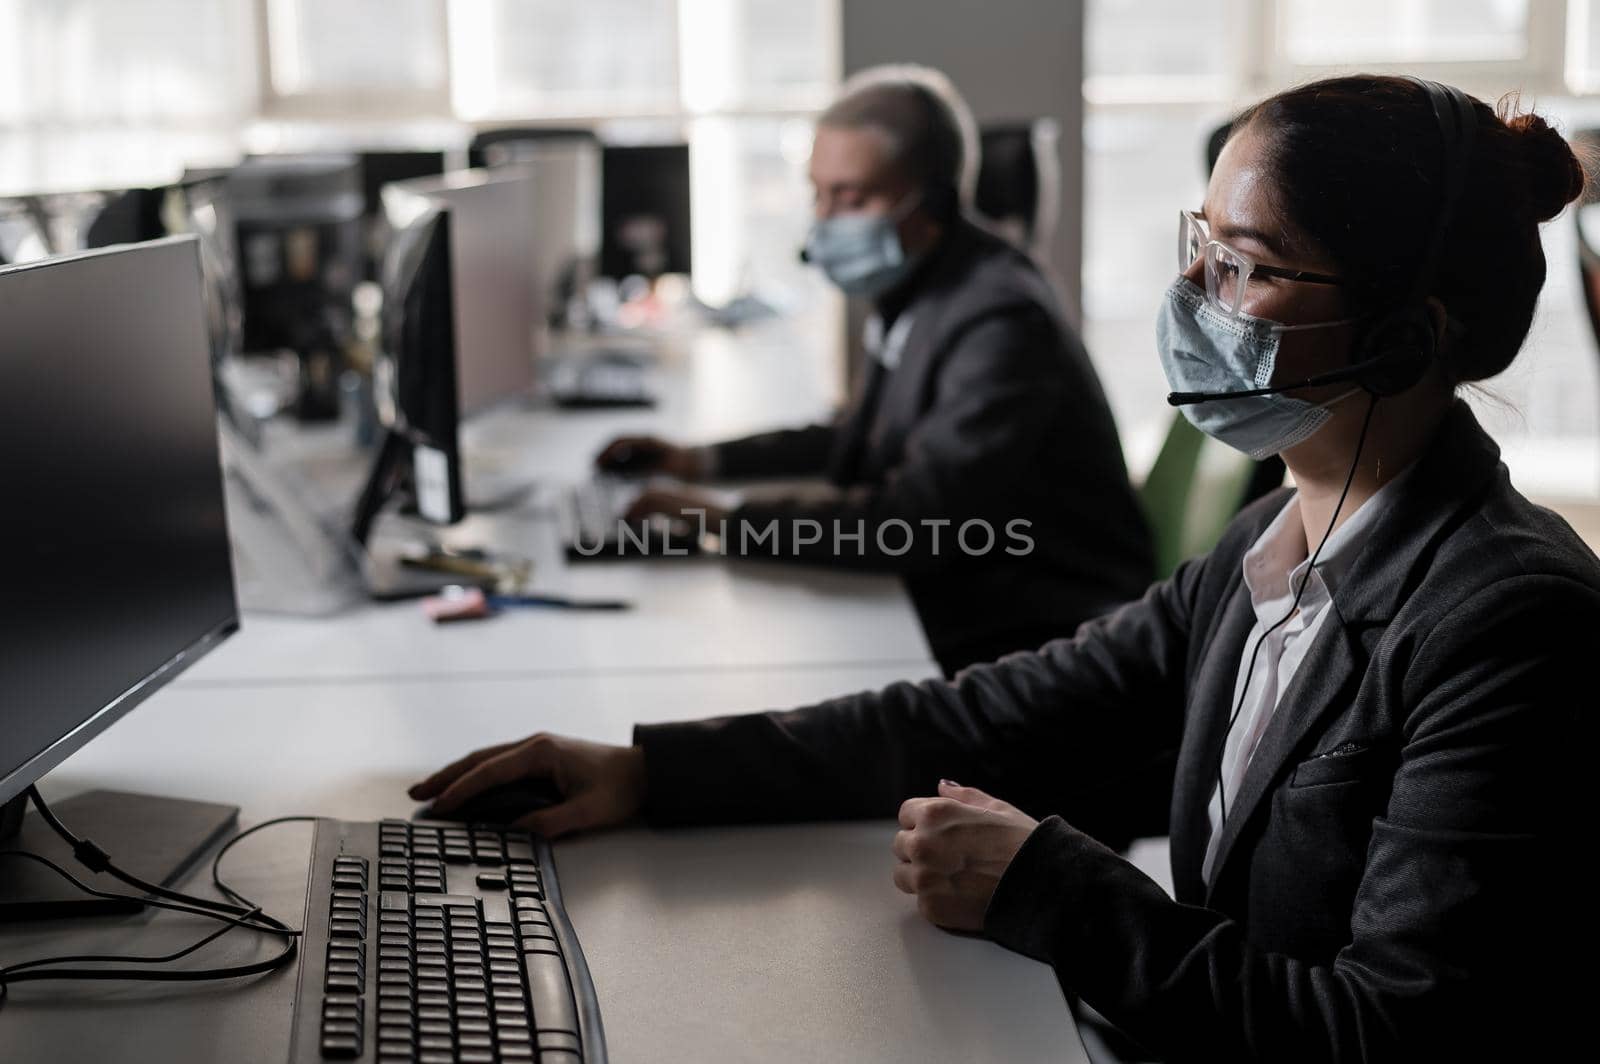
(692, 613)
(762, 943)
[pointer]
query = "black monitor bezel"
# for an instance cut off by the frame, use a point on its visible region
(16, 781)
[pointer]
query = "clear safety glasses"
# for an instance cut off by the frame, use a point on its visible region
(1228, 271)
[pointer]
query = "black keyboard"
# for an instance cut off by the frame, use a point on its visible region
(591, 516)
(600, 384)
(436, 943)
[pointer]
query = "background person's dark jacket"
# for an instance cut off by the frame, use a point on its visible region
(994, 413)
(1404, 874)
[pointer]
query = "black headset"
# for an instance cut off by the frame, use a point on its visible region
(1395, 351)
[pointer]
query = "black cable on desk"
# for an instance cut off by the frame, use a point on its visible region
(247, 914)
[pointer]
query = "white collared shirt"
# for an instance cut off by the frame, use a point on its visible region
(1273, 569)
(886, 345)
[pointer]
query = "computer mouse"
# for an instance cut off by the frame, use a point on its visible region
(633, 459)
(501, 804)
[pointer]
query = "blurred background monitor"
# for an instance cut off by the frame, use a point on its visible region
(496, 292)
(564, 168)
(645, 210)
(379, 168)
(419, 460)
(298, 225)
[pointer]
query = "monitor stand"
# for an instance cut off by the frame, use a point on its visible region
(157, 839)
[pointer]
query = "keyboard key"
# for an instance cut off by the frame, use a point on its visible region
(491, 881)
(549, 1040)
(341, 1047)
(448, 901)
(552, 995)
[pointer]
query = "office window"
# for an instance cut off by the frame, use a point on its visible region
(1404, 31)
(1583, 45)
(762, 55)
(1159, 49)
(105, 93)
(75, 61)
(355, 46)
(555, 58)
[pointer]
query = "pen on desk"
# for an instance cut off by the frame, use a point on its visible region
(558, 602)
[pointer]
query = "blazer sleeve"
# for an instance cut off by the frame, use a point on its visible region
(998, 393)
(799, 452)
(1461, 905)
(1043, 729)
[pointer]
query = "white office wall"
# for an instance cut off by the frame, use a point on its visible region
(1011, 59)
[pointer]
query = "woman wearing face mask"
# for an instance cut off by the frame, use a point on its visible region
(1371, 704)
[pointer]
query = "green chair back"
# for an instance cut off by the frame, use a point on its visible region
(1192, 491)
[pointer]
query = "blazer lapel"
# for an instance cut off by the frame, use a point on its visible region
(1201, 750)
(1323, 684)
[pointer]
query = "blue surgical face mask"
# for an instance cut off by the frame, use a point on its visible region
(862, 253)
(1205, 350)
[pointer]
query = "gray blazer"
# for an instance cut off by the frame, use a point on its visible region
(1405, 872)
(994, 413)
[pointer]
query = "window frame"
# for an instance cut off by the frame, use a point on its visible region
(1260, 64)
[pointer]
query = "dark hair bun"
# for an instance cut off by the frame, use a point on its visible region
(1555, 177)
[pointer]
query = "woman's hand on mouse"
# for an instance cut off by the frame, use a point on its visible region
(600, 784)
(951, 851)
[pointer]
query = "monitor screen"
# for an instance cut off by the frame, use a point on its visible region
(645, 210)
(119, 572)
(415, 374)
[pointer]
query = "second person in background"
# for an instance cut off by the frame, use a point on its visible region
(976, 454)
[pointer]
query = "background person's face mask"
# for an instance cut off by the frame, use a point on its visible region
(1205, 350)
(861, 253)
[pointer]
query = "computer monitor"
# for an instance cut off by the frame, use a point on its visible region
(415, 375)
(564, 176)
(120, 574)
(298, 221)
(380, 168)
(493, 236)
(645, 210)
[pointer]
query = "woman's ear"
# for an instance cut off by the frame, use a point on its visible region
(1439, 318)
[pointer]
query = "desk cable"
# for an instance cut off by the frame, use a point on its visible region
(244, 913)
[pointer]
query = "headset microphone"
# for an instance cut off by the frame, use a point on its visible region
(1348, 373)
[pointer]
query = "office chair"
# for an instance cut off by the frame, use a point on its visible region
(506, 137)
(1194, 488)
(1019, 182)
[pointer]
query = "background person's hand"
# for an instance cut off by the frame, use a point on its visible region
(600, 785)
(952, 850)
(641, 455)
(690, 507)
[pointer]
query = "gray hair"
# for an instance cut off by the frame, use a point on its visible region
(927, 125)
